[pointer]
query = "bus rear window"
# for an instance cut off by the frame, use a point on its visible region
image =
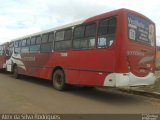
(140, 29)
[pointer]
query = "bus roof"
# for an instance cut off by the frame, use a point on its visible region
(51, 30)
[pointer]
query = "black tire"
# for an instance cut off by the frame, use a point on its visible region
(2, 70)
(15, 72)
(88, 87)
(59, 80)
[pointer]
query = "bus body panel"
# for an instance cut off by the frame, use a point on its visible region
(42, 65)
(96, 63)
(110, 66)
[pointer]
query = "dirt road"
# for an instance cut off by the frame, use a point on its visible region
(31, 95)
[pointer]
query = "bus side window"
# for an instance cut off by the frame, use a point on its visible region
(23, 43)
(1, 50)
(35, 44)
(46, 45)
(63, 40)
(44, 38)
(33, 40)
(90, 34)
(38, 40)
(67, 38)
(16, 44)
(25, 48)
(20, 43)
(10, 51)
(28, 42)
(78, 36)
(84, 36)
(106, 32)
(51, 39)
(17, 47)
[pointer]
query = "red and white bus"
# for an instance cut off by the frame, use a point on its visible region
(3, 55)
(114, 49)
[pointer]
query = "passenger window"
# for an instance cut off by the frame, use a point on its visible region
(102, 42)
(51, 37)
(35, 44)
(60, 35)
(20, 43)
(68, 34)
(63, 45)
(103, 25)
(106, 32)
(44, 38)
(79, 32)
(1, 50)
(17, 50)
(47, 47)
(84, 36)
(90, 30)
(112, 26)
(33, 41)
(64, 42)
(23, 43)
(25, 50)
(16, 44)
(47, 44)
(38, 40)
(35, 48)
(28, 42)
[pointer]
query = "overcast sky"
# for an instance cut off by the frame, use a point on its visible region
(23, 17)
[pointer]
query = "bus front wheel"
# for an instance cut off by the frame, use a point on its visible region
(15, 72)
(59, 80)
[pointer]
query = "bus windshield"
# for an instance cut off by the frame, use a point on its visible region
(140, 29)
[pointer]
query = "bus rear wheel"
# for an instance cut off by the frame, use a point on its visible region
(15, 72)
(59, 80)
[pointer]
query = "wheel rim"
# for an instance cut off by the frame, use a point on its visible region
(15, 71)
(59, 80)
